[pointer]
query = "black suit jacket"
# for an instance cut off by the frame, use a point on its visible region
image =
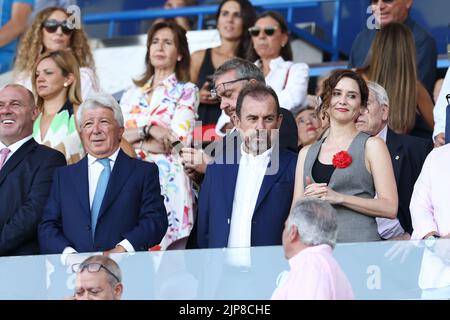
(408, 154)
(25, 181)
(288, 132)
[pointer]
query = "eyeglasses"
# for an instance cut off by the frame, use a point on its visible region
(52, 25)
(385, 1)
(269, 31)
(215, 91)
(91, 268)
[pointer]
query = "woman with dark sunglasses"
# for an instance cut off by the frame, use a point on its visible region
(273, 54)
(51, 31)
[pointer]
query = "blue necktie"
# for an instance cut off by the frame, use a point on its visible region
(102, 183)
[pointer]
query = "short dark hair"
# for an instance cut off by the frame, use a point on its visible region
(258, 91)
(243, 69)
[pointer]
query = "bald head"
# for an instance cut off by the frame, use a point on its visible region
(17, 113)
(27, 93)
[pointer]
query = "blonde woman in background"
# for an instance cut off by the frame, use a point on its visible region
(56, 85)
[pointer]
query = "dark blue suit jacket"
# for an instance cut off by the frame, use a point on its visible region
(272, 207)
(25, 181)
(408, 154)
(132, 209)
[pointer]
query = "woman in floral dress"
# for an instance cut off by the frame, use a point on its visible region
(160, 109)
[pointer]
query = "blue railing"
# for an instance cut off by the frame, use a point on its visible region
(201, 11)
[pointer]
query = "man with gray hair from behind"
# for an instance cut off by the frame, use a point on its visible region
(309, 237)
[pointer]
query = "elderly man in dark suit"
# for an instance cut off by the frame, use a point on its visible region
(107, 201)
(26, 170)
(408, 154)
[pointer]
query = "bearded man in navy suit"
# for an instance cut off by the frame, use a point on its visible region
(247, 191)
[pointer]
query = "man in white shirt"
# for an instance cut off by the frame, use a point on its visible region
(26, 170)
(107, 201)
(408, 154)
(247, 192)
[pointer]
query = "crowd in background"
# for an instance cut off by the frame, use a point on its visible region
(358, 144)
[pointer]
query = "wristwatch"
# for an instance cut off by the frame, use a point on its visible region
(142, 132)
(430, 241)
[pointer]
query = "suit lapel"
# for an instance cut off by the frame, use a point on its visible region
(17, 158)
(230, 174)
(80, 177)
(395, 148)
(123, 168)
(270, 180)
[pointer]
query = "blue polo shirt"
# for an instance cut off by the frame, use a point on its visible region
(7, 52)
(426, 52)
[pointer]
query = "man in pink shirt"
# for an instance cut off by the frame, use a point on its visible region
(429, 202)
(309, 237)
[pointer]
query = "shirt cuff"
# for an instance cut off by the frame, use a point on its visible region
(65, 254)
(127, 245)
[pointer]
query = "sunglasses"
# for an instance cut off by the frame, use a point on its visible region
(385, 1)
(52, 25)
(269, 31)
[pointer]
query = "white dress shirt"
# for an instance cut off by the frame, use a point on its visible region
(95, 168)
(291, 88)
(388, 228)
(439, 110)
(248, 183)
(14, 147)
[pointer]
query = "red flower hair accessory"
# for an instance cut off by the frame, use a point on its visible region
(342, 160)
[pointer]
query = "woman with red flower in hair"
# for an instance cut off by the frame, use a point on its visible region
(348, 168)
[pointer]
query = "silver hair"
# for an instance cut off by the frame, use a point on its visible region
(101, 100)
(380, 93)
(243, 69)
(315, 220)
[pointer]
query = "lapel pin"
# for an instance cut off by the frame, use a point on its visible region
(397, 157)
